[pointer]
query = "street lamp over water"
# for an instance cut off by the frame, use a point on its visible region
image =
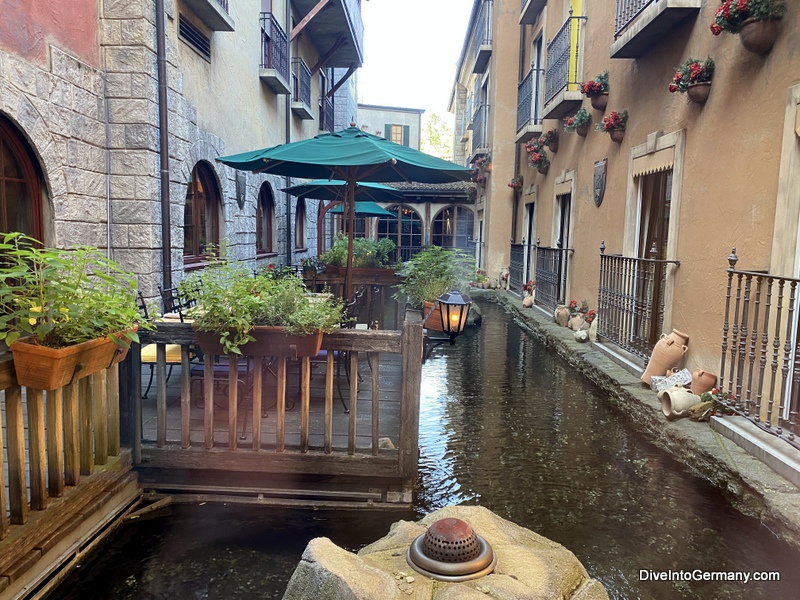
(454, 308)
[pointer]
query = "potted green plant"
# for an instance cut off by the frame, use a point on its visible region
(309, 264)
(579, 122)
(693, 77)
(597, 91)
(269, 313)
(368, 255)
(614, 124)
(755, 21)
(430, 273)
(537, 155)
(64, 313)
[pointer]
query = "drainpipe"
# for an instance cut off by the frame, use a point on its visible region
(166, 235)
(288, 102)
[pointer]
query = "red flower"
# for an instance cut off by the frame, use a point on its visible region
(716, 29)
(673, 88)
(570, 121)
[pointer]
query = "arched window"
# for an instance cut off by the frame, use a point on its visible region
(300, 225)
(20, 190)
(452, 227)
(265, 220)
(200, 214)
(405, 229)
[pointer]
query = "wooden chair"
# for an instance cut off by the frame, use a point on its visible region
(149, 352)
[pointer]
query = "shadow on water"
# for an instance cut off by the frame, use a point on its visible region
(506, 425)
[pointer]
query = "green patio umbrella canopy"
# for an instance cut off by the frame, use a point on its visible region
(351, 155)
(365, 208)
(335, 189)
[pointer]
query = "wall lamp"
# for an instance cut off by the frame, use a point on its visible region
(454, 308)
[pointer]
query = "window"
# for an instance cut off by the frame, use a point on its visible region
(195, 38)
(200, 214)
(405, 230)
(452, 227)
(20, 192)
(399, 134)
(265, 220)
(300, 225)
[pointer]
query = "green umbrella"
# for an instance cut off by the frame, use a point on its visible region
(335, 189)
(351, 155)
(364, 208)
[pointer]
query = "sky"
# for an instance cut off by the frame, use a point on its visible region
(411, 48)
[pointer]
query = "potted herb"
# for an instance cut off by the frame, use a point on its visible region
(755, 21)
(430, 273)
(614, 125)
(693, 78)
(597, 91)
(64, 313)
(266, 314)
(368, 255)
(579, 122)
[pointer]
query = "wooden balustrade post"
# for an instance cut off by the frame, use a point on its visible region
(72, 454)
(17, 481)
(100, 417)
(112, 419)
(85, 425)
(55, 443)
(34, 400)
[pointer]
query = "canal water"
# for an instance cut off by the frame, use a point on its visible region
(507, 425)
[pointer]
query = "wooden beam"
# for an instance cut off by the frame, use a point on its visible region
(305, 21)
(323, 59)
(339, 83)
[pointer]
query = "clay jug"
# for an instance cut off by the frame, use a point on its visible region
(561, 315)
(676, 401)
(575, 322)
(667, 353)
(703, 381)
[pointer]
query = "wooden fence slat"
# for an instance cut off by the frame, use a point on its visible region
(186, 398)
(375, 405)
(329, 375)
(258, 390)
(3, 497)
(410, 382)
(112, 420)
(233, 399)
(161, 395)
(72, 453)
(351, 430)
(208, 400)
(36, 448)
(99, 417)
(305, 401)
(280, 405)
(17, 481)
(55, 443)
(85, 425)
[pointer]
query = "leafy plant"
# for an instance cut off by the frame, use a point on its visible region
(231, 300)
(366, 252)
(732, 13)
(516, 182)
(548, 137)
(595, 87)
(64, 297)
(432, 272)
(614, 120)
(579, 119)
(691, 71)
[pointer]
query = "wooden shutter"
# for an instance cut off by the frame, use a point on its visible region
(406, 134)
(387, 131)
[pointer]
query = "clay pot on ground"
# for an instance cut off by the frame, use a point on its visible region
(527, 302)
(575, 322)
(676, 401)
(667, 353)
(703, 381)
(561, 315)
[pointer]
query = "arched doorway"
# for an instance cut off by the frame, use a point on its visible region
(452, 227)
(200, 214)
(404, 229)
(20, 186)
(265, 221)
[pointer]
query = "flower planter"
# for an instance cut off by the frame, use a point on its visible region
(269, 341)
(47, 368)
(553, 146)
(617, 135)
(600, 101)
(582, 130)
(758, 35)
(698, 92)
(434, 321)
(543, 169)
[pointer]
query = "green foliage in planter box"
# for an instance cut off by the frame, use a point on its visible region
(366, 252)
(432, 272)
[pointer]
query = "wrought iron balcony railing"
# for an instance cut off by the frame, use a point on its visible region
(627, 11)
(274, 45)
(483, 28)
(479, 128)
(562, 57)
(301, 81)
(759, 374)
(327, 114)
(630, 302)
(529, 93)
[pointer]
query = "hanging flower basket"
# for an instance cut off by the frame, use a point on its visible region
(759, 35)
(756, 21)
(617, 135)
(600, 101)
(698, 92)
(597, 91)
(579, 122)
(582, 130)
(543, 168)
(614, 125)
(693, 77)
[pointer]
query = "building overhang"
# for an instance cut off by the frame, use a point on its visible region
(274, 81)
(528, 132)
(651, 26)
(531, 11)
(564, 102)
(212, 13)
(336, 19)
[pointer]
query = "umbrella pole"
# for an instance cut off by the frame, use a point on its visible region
(351, 220)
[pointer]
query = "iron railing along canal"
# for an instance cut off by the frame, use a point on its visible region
(274, 46)
(759, 374)
(551, 276)
(516, 267)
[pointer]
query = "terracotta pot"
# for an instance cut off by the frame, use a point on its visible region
(667, 353)
(600, 101)
(617, 135)
(527, 302)
(488, 167)
(434, 321)
(698, 92)
(561, 315)
(269, 341)
(703, 381)
(46, 368)
(575, 322)
(676, 401)
(553, 146)
(543, 169)
(758, 35)
(582, 130)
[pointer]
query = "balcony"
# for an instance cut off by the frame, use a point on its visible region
(642, 24)
(529, 114)
(482, 38)
(337, 31)
(562, 95)
(531, 9)
(214, 13)
(301, 89)
(480, 141)
(326, 114)
(274, 68)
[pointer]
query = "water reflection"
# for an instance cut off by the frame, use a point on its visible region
(504, 424)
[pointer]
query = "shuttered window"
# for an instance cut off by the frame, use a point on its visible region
(194, 37)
